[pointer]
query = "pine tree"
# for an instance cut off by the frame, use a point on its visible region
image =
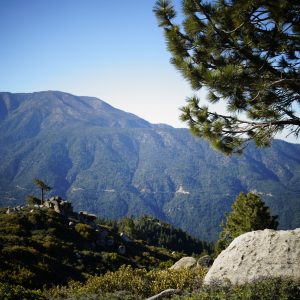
(249, 213)
(247, 54)
(42, 186)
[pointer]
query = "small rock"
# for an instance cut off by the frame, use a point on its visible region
(205, 261)
(185, 262)
(122, 250)
(125, 237)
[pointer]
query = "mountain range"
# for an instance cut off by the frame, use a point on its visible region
(114, 164)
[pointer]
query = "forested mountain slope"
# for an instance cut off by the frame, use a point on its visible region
(114, 164)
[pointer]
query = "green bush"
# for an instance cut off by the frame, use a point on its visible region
(86, 231)
(9, 292)
(138, 282)
(18, 276)
(20, 253)
(109, 257)
(268, 289)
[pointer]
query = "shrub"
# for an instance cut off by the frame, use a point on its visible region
(138, 282)
(274, 288)
(19, 276)
(9, 292)
(109, 257)
(86, 231)
(20, 253)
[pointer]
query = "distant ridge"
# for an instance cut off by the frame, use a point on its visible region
(80, 109)
(113, 163)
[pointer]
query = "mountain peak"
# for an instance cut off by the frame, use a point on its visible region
(62, 107)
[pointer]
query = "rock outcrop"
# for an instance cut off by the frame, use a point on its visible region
(256, 255)
(59, 205)
(84, 216)
(185, 262)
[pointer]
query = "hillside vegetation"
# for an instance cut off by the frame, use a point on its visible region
(39, 247)
(161, 234)
(115, 164)
(47, 254)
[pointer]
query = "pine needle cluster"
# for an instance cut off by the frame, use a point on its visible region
(246, 53)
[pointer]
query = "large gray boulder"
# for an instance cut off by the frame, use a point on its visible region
(185, 262)
(256, 255)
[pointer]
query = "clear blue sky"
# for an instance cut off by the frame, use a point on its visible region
(110, 49)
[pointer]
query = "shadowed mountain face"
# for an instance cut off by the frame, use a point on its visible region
(113, 164)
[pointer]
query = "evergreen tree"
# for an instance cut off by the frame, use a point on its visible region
(246, 53)
(249, 213)
(158, 233)
(42, 186)
(127, 226)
